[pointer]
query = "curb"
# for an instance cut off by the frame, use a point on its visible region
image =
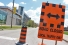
(65, 40)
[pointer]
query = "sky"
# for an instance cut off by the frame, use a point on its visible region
(33, 7)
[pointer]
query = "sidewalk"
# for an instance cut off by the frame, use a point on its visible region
(65, 37)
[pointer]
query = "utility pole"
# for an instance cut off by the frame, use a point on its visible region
(12, 13)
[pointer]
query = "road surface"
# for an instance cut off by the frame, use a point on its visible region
(9, 37)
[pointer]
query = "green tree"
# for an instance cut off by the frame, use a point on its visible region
(31, 23)
(35, 25)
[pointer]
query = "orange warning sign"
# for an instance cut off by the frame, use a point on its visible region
(51, 21)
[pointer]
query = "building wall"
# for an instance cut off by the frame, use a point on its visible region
(16, 19)
(8, 21)
(20, 10)
(18, 22)
(9, 15)
(25, 19)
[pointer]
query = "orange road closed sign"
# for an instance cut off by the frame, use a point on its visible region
(51, 21)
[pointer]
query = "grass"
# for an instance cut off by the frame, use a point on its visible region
(66, 32)
(9, 27)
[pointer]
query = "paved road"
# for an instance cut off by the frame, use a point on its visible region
(9, 37)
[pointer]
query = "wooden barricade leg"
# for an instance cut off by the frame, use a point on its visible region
(41, 43)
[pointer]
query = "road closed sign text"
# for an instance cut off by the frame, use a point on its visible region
(51, 21)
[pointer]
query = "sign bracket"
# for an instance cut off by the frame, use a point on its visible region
(56, 42)
(42, 41)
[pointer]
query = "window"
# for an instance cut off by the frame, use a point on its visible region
(3, 16)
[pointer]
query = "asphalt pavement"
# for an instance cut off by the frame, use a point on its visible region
(10, 37)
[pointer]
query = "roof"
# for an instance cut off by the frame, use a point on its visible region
(18, 14)
(3, 6)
